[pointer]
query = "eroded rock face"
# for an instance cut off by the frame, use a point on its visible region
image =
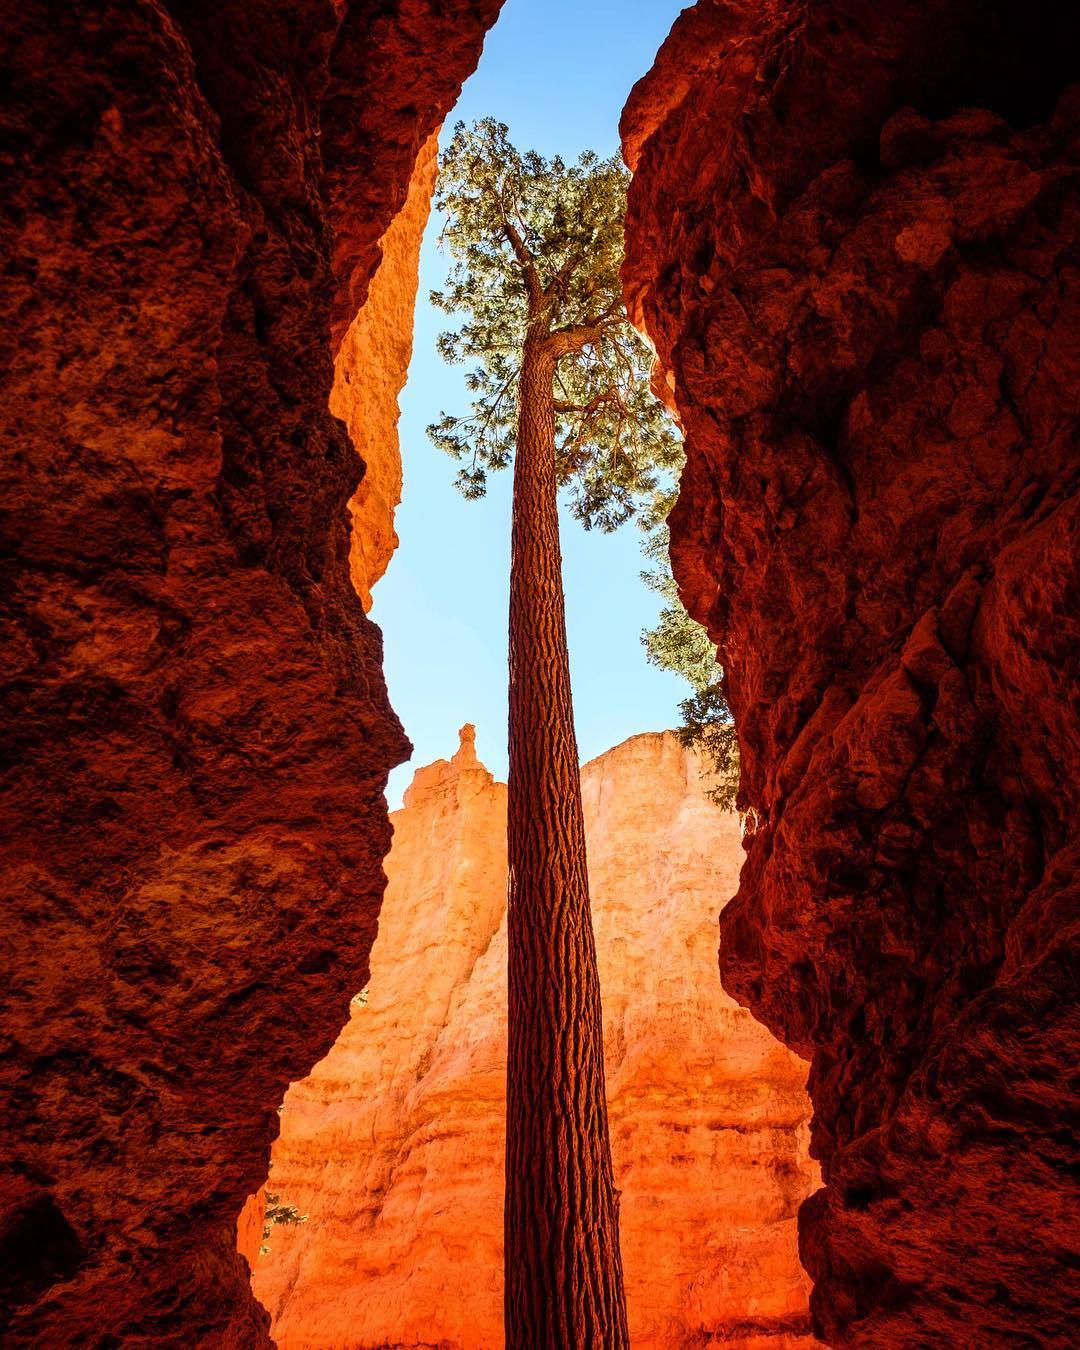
(197, 729)
(370, 369)
(853, 237)
(393, 1146)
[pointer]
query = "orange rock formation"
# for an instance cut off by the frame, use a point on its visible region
(198, 200)
(369, 374)
(393, 1146)
(850, 239)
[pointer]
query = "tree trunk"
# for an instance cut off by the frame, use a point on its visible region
(563, 1285)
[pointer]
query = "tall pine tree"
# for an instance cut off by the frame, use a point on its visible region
(559, 384)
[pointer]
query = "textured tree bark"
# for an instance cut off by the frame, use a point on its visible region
(563, 1285)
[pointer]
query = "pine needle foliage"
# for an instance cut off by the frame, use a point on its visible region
(680, 644)
(536, 246)
(708, 728)
(535, 249)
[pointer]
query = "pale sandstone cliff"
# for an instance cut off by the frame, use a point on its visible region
(393, 1145)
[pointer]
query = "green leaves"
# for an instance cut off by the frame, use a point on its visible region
(536, 247)
(535, 250)
(680, 644)
(276, 1212)
(707, 727)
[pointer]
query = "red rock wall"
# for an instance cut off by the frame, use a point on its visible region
(853, 236)
(393, 1146)
(197, 731)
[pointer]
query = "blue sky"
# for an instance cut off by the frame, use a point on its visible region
(558, 73)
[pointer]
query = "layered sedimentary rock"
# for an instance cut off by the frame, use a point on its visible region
(853, 236)
(197, 732)
(393, 1146)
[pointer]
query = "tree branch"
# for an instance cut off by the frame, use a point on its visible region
(573, 336)
(533, 288)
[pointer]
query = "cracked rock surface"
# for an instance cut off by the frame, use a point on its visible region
(853, 237)
(197, 729)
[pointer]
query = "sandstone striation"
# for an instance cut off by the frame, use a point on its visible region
(198, 734)
(853, 237)
(393, 1146)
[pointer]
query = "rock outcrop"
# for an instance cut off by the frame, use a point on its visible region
(393, 1146)
(853, 237)
(197, 732)
(369, 374)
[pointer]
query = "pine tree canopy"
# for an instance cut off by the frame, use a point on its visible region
(536, 245)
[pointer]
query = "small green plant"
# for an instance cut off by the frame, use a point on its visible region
(277, 1212)
(359, 1000)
